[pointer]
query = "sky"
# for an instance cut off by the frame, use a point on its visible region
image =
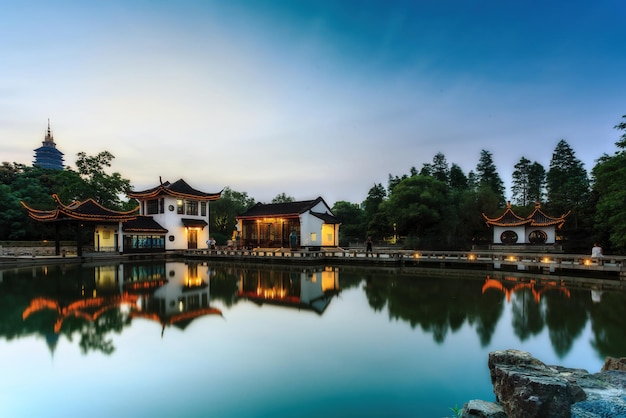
(309, 97)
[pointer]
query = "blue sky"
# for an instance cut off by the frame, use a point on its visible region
(310, 98)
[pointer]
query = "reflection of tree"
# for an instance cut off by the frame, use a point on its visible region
(608, 325)
(376, 292)
(436, 305)
(50, 301)
(566, 318)
(488, 311)
(527, 315)
(93, 333)
(224, 285)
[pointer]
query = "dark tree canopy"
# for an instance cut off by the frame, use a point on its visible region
(487, 175)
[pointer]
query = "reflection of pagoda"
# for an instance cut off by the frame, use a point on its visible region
(47, 155)
(511, 285)
(308, 290)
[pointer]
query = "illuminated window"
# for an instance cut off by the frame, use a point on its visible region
(313, 236)
(508, 237)
(180, 209)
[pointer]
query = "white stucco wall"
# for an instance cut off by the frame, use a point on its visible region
(172, 221)
(523, 232)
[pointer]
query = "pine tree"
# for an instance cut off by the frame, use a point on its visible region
(487, 175)
(567, 181)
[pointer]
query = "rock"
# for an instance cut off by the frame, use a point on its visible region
(482, 409)
(612, 363)
(526, 387)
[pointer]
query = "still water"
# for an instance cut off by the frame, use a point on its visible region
(174, 339)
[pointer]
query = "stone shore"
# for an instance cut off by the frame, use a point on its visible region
(527, 388)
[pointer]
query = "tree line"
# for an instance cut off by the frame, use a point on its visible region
(436, 207)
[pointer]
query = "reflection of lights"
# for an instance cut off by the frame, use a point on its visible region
(45, 270)
(181, 306)
(93, 294)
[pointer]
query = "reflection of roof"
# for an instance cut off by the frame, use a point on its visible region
(86, 210)
(89, 309)
(177, 189)
(143, 224)
(517, 286)
(180, 320)
(317, 305)
(281, 209)
(537, 218)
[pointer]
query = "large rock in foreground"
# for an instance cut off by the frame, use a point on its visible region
(526, 388)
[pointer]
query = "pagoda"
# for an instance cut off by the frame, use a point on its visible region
(47, 155)
(535, 229)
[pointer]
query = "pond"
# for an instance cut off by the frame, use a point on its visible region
(169, 338)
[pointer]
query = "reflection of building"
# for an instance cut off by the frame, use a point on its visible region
(183, 298)
(168, 293)
(513, 285)
(309, 290)
(47, 155)
(536, 229)
(269, 226)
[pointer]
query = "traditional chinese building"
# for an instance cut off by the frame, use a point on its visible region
(107, 223)
(171, 216)
(181, 209)
(47, 155)
(535, 229)
(270, 225)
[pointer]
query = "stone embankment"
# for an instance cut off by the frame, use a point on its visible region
(527, 388)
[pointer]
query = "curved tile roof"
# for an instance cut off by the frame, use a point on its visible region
(179, 188)
(86, 210)
(537, 218)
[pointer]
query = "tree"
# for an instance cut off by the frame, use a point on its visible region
(417, 207)
(440, 169)
(567, 182)
(103, 188)
(223, 213)
(528, 182)
(351, 217)
(458, 179)
(609, 178)
(536, 182)
(487, 175)
(283, 198)
(371, 205)
(567, 187)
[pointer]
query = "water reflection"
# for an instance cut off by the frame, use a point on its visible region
(301, 289)
(95, 302)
